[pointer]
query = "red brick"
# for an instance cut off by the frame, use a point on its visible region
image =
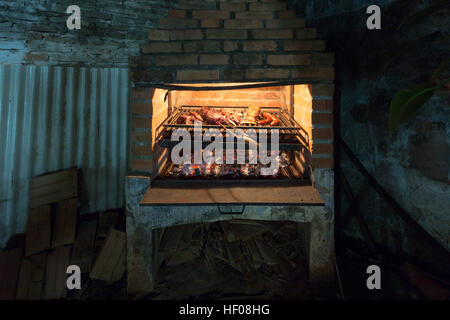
(210, 14)
(142, 165)
(210, 23)
(233, 6)
(285, 23)
(306, 33)
(141, 137)
(232, 75)
(322, 118)
(322, 148)
(272, 34)
(247, 59)
(322, 133)
(172, 23)
(225, 34)
(214, 59)
(159, 35)
(267, 95)
(230, 46)
(180, 14)
(322, 105)
(267, 6)
(141, 108)
(243, 24)
(322, 163)
(323, 58)
(141, 150)
(197, 75)
(142, 93)
(202, 46)
(186, 35)
(161, 47)
(313, 73)
(141, 123)
(261, 74)
(322, 90)
(175, 60)
(308, 45)
(286, 14)
(254, 15)
(265, 45)
(289, 59)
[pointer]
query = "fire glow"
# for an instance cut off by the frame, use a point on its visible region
(213, 153)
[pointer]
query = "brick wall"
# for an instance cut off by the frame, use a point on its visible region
(248, 40)
(263, 97)
(217, 41)
(313, 111)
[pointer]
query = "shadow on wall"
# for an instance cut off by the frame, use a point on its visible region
(413, 163)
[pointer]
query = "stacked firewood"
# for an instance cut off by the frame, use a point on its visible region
(237, 258)
(33, 265)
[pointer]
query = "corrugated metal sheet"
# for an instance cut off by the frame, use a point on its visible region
(54, 118)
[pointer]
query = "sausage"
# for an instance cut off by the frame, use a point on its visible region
(268, 116)
(196, 115)
(275, 121)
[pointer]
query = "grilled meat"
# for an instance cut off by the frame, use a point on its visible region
(212, 117)
(196, 115)
(250, 117)
(269, 119)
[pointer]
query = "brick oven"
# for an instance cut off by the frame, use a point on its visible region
(217, 63)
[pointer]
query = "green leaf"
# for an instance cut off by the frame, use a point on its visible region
(406, 102)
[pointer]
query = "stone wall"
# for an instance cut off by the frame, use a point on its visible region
(412, 163)
(35, 31)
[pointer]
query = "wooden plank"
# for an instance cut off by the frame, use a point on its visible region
(55, 274)
(83, 248)
(110, 263)
(31, 277)
(223, 192)
(54, 196)
(65, 224)
(107, 220)
(38, 230)
(52, 178)
(9, 273)
(53, 187)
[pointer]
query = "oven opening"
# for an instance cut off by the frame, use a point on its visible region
(256, 139)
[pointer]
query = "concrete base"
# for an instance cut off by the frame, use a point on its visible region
(315, 224)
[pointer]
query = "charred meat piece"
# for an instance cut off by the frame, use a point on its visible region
(196, 115)
(211, 116)
(233, 117)
(186, 119)
(250, 117)
(275, 121)
(182, 119)
(268, 119)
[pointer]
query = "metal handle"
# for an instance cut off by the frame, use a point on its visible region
(231, 212)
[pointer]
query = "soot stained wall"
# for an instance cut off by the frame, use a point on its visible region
(35, 31)
(412, 163)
